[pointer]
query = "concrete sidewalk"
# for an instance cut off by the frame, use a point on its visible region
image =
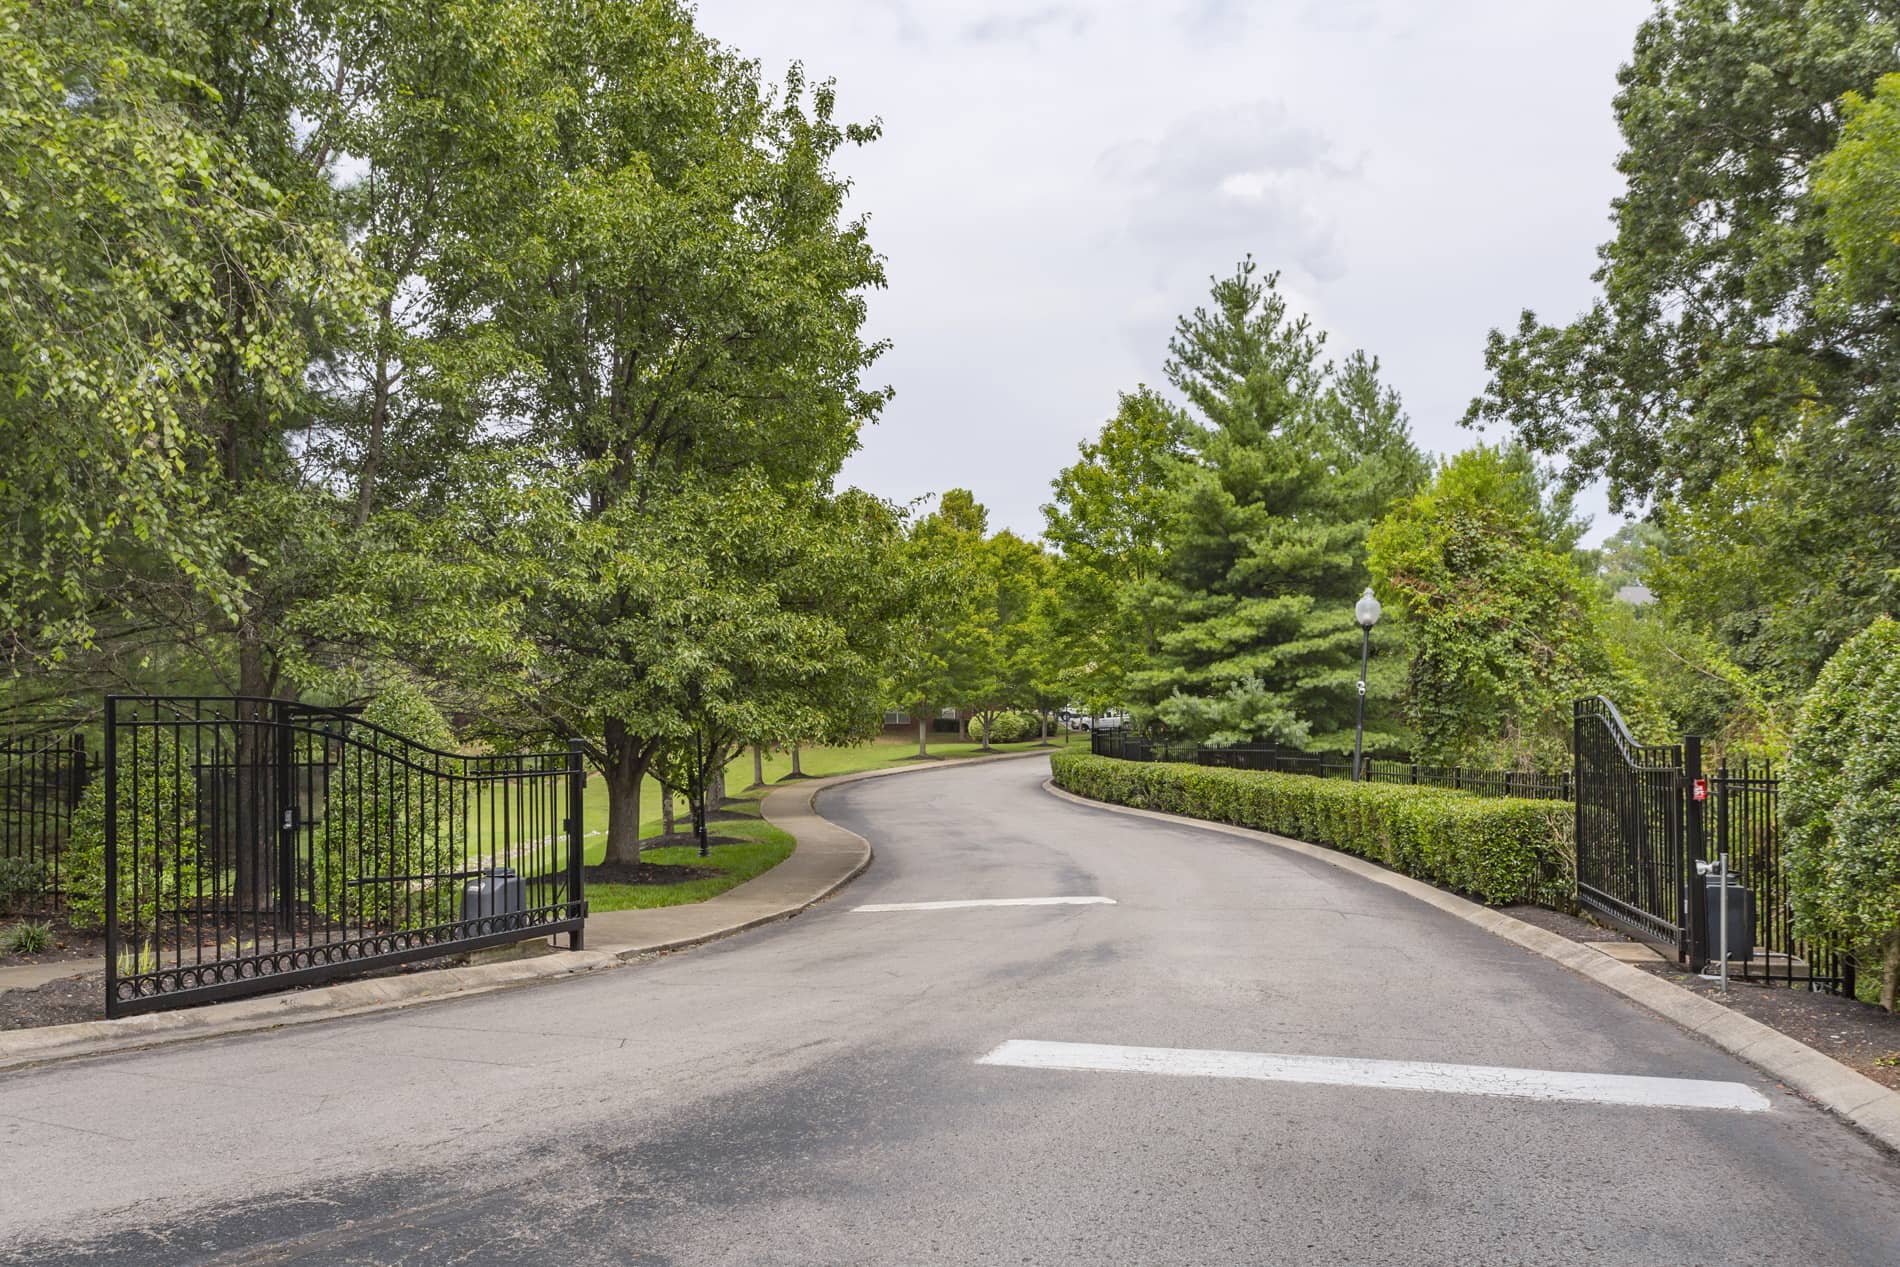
(824, 858)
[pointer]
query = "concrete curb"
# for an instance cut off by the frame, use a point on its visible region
(1866, 1104)
(829, 857)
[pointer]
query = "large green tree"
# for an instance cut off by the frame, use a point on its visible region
(1264, 549)
(684, 296)
(171, 269)
(1105, 521)
(1717, 375)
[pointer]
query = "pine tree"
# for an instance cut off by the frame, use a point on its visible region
(1265, 546)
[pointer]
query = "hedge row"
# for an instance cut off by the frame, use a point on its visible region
(1495, 849)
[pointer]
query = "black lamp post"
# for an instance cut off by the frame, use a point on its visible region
(1366, 612)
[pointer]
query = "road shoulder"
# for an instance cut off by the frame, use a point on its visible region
(1870, 1107)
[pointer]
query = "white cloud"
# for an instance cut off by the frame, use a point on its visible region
(1057, 182)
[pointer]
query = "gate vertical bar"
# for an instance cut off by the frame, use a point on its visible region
(112, 855)
(283, 807)
(576, 838)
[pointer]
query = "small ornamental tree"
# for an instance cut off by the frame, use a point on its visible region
(157, 791)
(1840, 803)
(394, 822)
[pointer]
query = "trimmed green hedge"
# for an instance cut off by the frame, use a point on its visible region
(1499, 850)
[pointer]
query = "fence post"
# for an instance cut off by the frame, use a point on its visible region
(576, 841)
(1695, 913)
(284, 802)
(112, 855)
(1577, 842)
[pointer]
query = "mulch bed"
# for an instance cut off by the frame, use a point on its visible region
(1571, 926)
(647, 873)
(62, 1002)
(1857, 1034)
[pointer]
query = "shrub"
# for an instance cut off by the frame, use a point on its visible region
(385, 820)
(1498, 850)
(1840, 803)
(22, 882)
(28, 939)
(1010, 727)
(158, 826)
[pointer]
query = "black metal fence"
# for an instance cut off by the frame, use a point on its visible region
(1641, 827)
(41, 779)
(250, 845)
(1129, 746)
(1648, 813)
(1742, 819)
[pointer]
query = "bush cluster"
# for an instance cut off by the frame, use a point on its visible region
(1840, 804)
(1011, 727)
(1498, 850)
(22, 884)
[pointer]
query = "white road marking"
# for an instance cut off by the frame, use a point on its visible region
(988, 901)
(1397, 1075)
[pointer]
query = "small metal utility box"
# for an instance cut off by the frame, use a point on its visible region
(493, 894)
(1741, 919)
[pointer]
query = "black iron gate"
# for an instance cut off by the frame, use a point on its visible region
(1631, 826)
(256, 844)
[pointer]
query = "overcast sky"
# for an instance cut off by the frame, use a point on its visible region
(1057, 182)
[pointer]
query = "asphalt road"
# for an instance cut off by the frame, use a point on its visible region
(812, 1092)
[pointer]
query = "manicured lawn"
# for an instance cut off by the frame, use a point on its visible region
(764, 848)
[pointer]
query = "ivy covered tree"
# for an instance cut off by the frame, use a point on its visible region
(1264, 549)
(1502, 627)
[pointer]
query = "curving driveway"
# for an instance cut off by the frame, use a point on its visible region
(813, 1092)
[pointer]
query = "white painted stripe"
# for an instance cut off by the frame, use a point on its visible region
(987, 901)
(1396, 1075)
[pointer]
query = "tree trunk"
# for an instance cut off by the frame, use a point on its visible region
(963, 727)
(989, 728)
(253, 849)
(758, 767)
(666, 811)
(715, 789)
(923, 736)
(797, 770)
(626, 767)
(1045, 728)
(1890, 971)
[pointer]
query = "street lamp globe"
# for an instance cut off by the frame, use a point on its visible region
(1366, 610)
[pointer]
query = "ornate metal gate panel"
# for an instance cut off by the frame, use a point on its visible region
(1631, 840)
(255, 844)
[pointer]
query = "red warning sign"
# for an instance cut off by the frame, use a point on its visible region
(1701, 792)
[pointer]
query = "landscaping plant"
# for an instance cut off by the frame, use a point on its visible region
(394, 813)
(159, 861)
(28, 939)
(21, 882)
(1840, 804)
(1498, 850)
